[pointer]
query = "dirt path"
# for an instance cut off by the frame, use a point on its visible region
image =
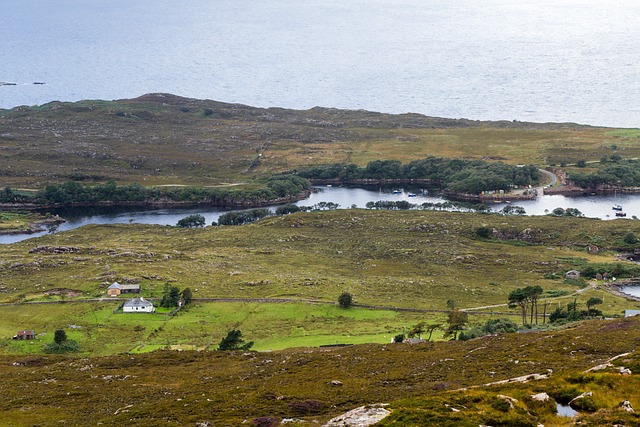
(591, 285)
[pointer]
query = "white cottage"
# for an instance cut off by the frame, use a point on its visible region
(138, 305)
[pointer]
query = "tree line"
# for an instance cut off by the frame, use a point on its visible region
(458, 175)
(624, 173)
(73, 192)
(251, 215)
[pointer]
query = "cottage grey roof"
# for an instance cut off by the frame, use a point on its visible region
(115, 285)
(123, 287)
(137, 302)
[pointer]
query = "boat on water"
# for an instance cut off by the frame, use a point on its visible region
(412, 195)
(616, 207)
(621, 214)
(397, 192)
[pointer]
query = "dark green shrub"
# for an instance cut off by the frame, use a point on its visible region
(68, 346)
(345, 300)
(630, 238)
(59, 336)
(234, 341)
(483, 232)
(500, 404)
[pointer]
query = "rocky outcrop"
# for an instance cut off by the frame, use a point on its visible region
(360, 417)
(540, 397)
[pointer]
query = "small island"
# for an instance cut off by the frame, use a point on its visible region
(27, 223)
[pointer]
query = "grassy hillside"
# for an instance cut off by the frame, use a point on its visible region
(409, 260)
(233, 389)
(161, 139)
(278, 280)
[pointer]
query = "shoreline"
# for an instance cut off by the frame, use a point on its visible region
(616, 289)
(159, 204)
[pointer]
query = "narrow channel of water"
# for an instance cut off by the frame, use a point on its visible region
(346, 197)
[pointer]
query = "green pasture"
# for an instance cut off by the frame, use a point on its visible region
(201, 326)
(101, 330)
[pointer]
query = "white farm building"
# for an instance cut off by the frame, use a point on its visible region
(138, 305)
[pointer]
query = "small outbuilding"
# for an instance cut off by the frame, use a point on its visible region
(27, 334)
(572, 274)
(138, 305)
(130, 289)
(116, 289)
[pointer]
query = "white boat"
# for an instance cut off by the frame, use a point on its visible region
(616, 207)
(412, 194)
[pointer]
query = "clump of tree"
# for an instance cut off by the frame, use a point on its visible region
(527, 299)
(422, 328)
(73, 192)
(390, 205)
(173, 297)
(462, 176)
(234, 341)
(623, 173)
(345, 300)
(287, 209)
(187, 296)
(324, 206)
(456, 322)
(569, 212)
(192, 221)
(242, 217)
(491, 327)
(592, 311)
(61, 344)
(568, 314)
(513, 210)
(611, 269)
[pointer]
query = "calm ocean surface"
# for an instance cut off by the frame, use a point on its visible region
(535, 60)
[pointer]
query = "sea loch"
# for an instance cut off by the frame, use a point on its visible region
(541, 61)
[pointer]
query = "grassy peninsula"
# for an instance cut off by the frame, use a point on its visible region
(162, 139)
